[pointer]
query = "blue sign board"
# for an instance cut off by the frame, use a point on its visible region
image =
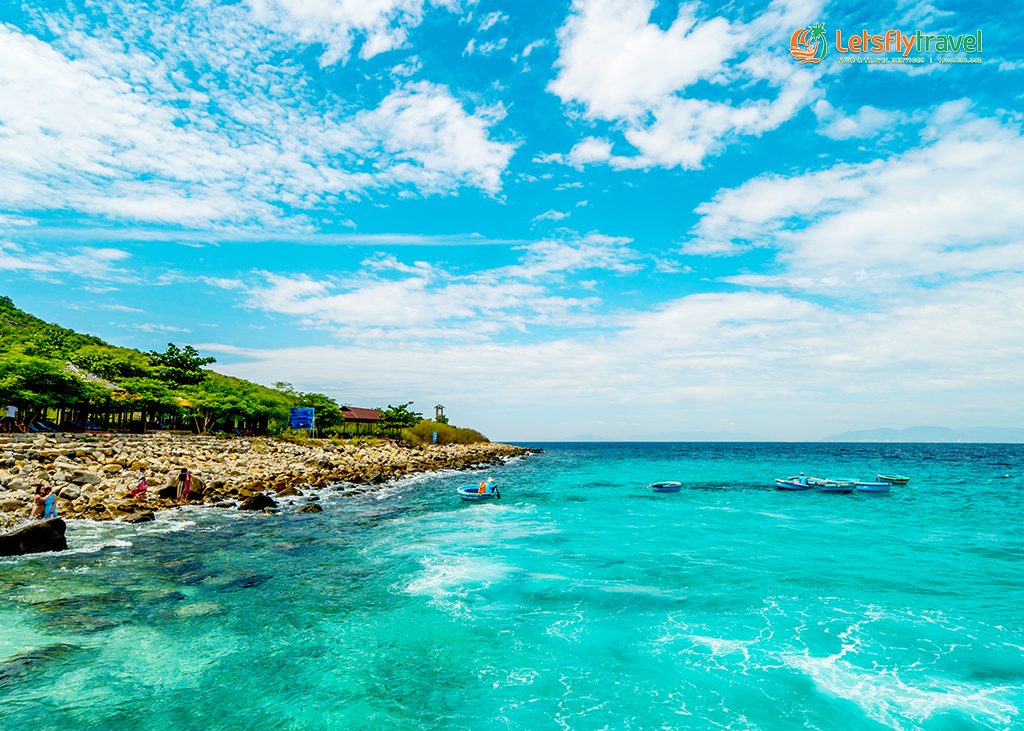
(435, 437)
(301, 419)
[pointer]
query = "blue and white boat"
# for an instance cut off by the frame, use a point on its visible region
(873, 486)
(471, 493)
(665, 486)
(832, 485)
(791, 483)
(893, 479)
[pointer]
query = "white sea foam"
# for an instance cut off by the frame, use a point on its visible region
(885, 697)
(449, 582)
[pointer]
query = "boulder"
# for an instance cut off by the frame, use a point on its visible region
(9, 505)
(69, 492)
(146, 517)
(259, 501)
(37, 537)
(287, 492)
(313, 508)
(80, 477)
(170, 492)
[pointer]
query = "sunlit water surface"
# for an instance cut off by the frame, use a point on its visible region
(580, 600)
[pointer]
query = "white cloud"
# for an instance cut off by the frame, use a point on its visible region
(532, 46)
(622, 68)
(423, 124)
(383, 25)
(87, 262)
(394, 299)
(953, 207)
(484, 49)
(551, 215)
(933, 355)
(867, 122)
(90, 127)
(151, 327)
(492, 19)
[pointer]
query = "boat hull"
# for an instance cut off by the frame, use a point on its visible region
(893, 479)
(472, 495)
(873, 486)
(665, 486)
(789, 485)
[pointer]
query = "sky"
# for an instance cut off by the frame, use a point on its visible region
(607, 217)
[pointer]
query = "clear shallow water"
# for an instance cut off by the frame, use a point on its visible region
(578, 601)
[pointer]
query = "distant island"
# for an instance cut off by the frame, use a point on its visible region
(975, 434)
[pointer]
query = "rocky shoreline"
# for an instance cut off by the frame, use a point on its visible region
(93, 474)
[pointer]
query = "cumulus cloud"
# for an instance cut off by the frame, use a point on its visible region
(952, 207)
(620, 67)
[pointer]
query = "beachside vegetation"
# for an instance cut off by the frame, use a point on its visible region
(50, 371)
(423, 433)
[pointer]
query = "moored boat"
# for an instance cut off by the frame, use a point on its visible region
(873, 486)
(790, 483)
(834, 485)
(665, 486)
(893, 479)
(471, 493)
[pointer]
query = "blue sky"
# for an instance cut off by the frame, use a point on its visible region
(615, 217)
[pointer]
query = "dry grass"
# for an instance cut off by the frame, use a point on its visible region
(423, 433)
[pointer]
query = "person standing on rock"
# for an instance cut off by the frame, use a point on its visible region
(49, 504)
(38, 504)
(184, 483)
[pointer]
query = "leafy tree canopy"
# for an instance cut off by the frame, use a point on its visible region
(182, 366)
(399, 417)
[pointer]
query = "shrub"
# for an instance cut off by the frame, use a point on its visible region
(423, 433)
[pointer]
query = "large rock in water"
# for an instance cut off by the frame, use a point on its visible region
(38, 537)
(257, 502)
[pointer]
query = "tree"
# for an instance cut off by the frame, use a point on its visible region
(181, 366)
(396, 418)
(220, 399)
(36, 383)
(327, 412)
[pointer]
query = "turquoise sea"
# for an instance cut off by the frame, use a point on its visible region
(579, 601)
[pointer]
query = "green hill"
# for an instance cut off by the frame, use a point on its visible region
(51, 371)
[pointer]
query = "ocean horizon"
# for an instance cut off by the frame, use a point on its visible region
(578, 600)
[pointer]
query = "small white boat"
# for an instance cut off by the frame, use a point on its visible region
(872, 486)
(665, 486)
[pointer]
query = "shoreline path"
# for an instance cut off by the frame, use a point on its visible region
(94, 474)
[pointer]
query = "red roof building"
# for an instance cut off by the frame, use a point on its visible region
(360, 416)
